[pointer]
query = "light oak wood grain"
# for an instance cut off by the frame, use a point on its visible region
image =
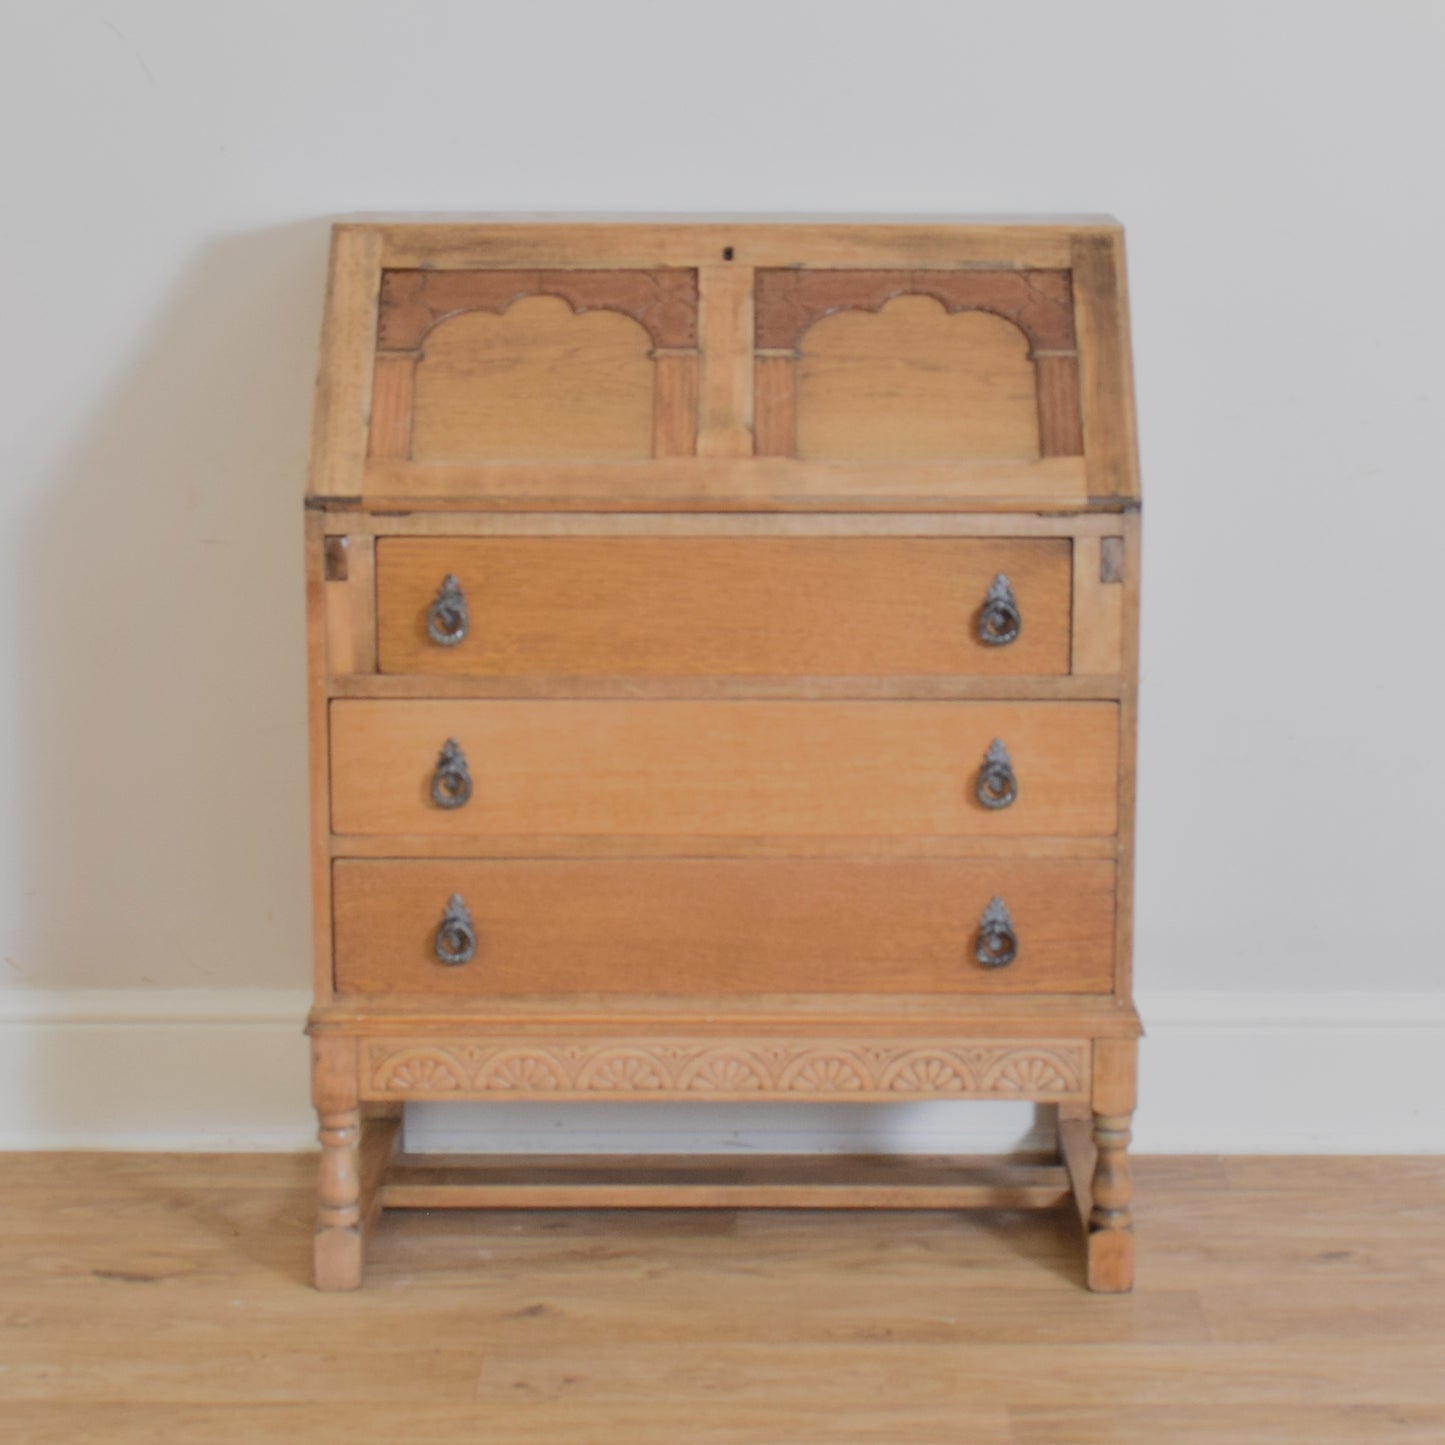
(719, 484)
(681, 926)
(392, 403)
(860, 241)
(318, 749)
(713, 691)
(723, 1182)
(725, 415)
(674, 403)
(775, 405)
(1128, 749)
(1098, 615)
(674, 607)
(351, 612)
(731, 1068)
(1056, 379)
(536, 381)
(164, 1297)
(607, 1017)
(341, 1210)
(736, 768)
(525, 523)
(704, 845)
(914, 383)
(342, 402)
(1106, 368)
(1000, 686)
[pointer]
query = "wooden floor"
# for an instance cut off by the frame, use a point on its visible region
(165, 1298)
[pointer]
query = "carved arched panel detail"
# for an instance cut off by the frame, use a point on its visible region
(537, 381)
(480, 366)
(663, 303)
(790, 303)
(1039, 303)
(912, 381)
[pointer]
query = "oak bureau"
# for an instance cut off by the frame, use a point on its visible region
(722, 687)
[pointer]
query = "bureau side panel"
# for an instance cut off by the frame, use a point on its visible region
(319, 747)
(1128, 755)
(1105, 365)
(342, 402)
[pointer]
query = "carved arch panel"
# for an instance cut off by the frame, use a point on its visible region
(485, 365)
(1038, 304)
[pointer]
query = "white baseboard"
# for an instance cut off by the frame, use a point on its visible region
(226, 1069)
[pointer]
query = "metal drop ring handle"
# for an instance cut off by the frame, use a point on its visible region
(999, 620)
(996, 787)
(451, 783)
(997, 944)
(456, 940)
(446, 620)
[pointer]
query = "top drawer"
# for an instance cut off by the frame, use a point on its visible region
(722, 606)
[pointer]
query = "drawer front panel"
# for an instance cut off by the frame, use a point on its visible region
(734, 769)
(722, 606)
(723, 926)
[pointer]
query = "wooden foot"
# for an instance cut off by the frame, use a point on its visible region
(338, 1189)
(1111, 1223)
(338, 1214)
(356, 1148)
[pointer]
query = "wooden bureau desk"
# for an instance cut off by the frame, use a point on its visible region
(722, 687)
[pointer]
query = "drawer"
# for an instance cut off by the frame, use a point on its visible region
(722, 926)
(722, 606)
(726, 769)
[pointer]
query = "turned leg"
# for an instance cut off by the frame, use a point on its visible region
(1111, 1222)
(1110, 1226)
(339, 1208)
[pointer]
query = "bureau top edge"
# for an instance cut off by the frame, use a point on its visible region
(743, 506)
(459, 243)
(715, 220)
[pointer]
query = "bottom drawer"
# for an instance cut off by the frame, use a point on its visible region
(722, 926)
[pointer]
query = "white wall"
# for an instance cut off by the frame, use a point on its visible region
(171, 169)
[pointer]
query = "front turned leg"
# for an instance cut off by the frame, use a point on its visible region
(1111, 1221)
(338, 1216)
(1110, 1225)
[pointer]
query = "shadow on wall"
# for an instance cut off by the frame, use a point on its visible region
(163, 701)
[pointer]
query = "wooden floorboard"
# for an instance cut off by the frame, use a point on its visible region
(165, 1297)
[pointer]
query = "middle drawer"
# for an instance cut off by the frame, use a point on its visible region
(724, 769)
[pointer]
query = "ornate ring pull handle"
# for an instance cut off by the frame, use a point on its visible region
(996, 787)
(451, 784)
(456, 940)
(999, 620)
(997, 943)
(446, 621)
